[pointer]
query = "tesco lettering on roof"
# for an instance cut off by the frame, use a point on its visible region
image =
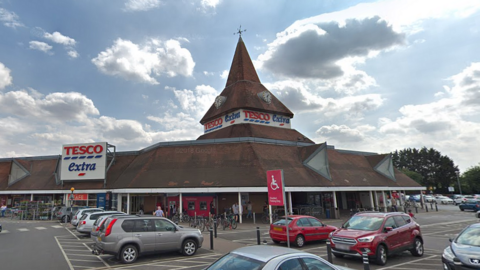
(243, 116)
(84, 161)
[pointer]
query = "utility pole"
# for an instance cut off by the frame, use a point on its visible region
(458, 181)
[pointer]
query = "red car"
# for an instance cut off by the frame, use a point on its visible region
(301, 229)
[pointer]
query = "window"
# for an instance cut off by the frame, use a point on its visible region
(191, 205)
(314, 264)
(303, 222)
(203, 205)
(390, 223)
(293, 264)
(315, 222)
(400, 221)
(128, 225)
(163, 225)
(407, 219)
(143, 225)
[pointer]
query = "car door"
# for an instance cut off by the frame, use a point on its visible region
(319, 230)
(404, 236)
(167, 238)
(391, 237)
(144, 231)
(306, 229)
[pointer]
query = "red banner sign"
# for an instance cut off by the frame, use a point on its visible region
(275, 187)
(79, 197)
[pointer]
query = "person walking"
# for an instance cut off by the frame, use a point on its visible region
(3, 208)
(140, 211)
(411, 214)
(249, 210)
(235, 211)
(159, 212)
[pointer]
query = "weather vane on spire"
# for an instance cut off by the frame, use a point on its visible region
(240, 31)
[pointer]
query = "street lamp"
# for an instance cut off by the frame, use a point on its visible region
(71, 196)
(458, 181)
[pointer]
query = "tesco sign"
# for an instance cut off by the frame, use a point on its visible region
(244, 116)
(84, 161)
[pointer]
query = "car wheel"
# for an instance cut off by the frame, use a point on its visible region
(189, 247)
(129, 254)
(446, 267)
(417, 249)
(381, 253)
(300, 241)
(461, 209)
(338, 255)
(276, 241)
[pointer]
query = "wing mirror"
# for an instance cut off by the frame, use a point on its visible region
(388, 229)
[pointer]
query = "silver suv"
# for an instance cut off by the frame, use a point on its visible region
(127, 237)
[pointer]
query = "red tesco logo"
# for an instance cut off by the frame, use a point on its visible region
(84, 149)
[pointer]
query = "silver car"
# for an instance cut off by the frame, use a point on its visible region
(130, 236)
(270, 258)
(76, 217)
(85, 223)
(463, 251)
(99, 222)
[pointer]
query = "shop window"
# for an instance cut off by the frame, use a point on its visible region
(203, 205)
(92, 196)
(191, 205)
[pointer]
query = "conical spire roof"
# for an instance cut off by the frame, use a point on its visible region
(244, 90)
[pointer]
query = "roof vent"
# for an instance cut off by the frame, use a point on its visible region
(219, 101)
(385, 167)
(318, 161)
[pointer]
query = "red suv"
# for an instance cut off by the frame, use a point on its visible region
(377, 234)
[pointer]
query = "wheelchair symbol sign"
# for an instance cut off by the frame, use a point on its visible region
(275, 187)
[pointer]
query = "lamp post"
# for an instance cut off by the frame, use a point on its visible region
(71, 196)
(458, 181)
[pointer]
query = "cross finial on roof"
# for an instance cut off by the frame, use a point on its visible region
(240, 31)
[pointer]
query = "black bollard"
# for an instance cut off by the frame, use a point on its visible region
(366, 263)
(426, 208)
(211, 239)
(215, 226)
(436, 207)
(258, 235)
(431, 205)
(329, 251)
(416, 209)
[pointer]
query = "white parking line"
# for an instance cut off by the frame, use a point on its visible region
(23, 229)
(407, 263)
(56, 226)
(40, 228)
(5, 231)
(72, 233)
(64, 255)
(100, 258)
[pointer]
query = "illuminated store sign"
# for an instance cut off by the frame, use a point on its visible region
(84, 161)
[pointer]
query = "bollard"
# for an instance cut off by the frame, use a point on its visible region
(366, 263)
(215, 226)
(211, 239)
(258, 235)
(254, 218)
(416, 209)
(436, 207)
(329, 251)
(426, 208)
(431, 205)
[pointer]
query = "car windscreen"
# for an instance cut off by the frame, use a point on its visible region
(363, 223)
(470, 236)
(234, 261)
(281, 222)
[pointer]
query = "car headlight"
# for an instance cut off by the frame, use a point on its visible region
(330, 235)
(199, 232)
(448, 254)
(366, 239)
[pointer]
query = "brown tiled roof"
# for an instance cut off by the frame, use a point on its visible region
(257, 131)
(242, 88)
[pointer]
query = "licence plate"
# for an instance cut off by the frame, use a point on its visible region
(99, 238)
(342, 247)
(277, 229)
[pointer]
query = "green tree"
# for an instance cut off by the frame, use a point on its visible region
(470, 180)
(437, 171)
(414, 175)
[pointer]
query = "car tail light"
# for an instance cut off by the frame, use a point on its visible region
(84, 222)
(108, 231)
(99, 225)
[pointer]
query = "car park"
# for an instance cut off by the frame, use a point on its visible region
(131, 236)
(377, 234)
(85, 223)
(271, 258)
(301, 229)
(464, 250)
(473, 204)
(443, 200)
(76, 217)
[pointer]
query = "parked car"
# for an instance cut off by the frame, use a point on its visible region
(301, 229)
(130, 236)
(470, 205)
(379, 235)
(462, 199)
(464, 250)
(64, 214)
(271, 258)
(429, 198)
(85, 223)
(443, 200)
(76, 217)
(97, 225)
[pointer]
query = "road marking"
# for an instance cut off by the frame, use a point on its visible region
(40, 228)
(72, 233)
(56, 226)
(106, 264)
(23, 230)
(5, 231)
(407, 263)
(64, 254)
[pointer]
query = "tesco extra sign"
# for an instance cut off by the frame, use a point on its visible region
(84, 161)
(244, 116)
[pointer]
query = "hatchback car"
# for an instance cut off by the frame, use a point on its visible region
(128, 237)
(470, 205)
(378, 235)
(271, 257)
(443, 200)
(85, 224)
(464, 250)
(462, 199)
(301, 229)
(76, 217)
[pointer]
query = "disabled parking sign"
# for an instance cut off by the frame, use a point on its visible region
(276, 195)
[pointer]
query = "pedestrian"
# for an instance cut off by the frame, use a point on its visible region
(140, 212)
(212, 210)
(394, 204)
(235, 211)
(411, 214)
(159, 212)
(249, 209)
(3, 208)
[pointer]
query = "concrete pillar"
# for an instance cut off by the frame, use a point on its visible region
(384, 202)
(31, 197)
(371, 200)
(290, 209)
(128, 203)
(119, 202)
(180, 204)
(376, 201)
(336, 213)
(240, 207)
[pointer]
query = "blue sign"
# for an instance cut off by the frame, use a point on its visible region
(101, 200)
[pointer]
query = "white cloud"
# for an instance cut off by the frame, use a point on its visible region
(5, 77)
(72, 53)
(224, 74)
(57, 37)
(9, 19)
(142, 5)
(197, 101)
(343, 133)
(142, 62)
(41, 46)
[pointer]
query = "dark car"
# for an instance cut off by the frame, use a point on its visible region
(379, 235)
(65, 213)
(464, 250)
(301, 229)
(473, 205)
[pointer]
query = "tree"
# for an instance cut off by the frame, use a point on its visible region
(414, 175)
(437, 171)
(471, 180)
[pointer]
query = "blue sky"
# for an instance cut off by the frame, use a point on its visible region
(374, 76)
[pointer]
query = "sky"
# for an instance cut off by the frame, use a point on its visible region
(374, 76)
